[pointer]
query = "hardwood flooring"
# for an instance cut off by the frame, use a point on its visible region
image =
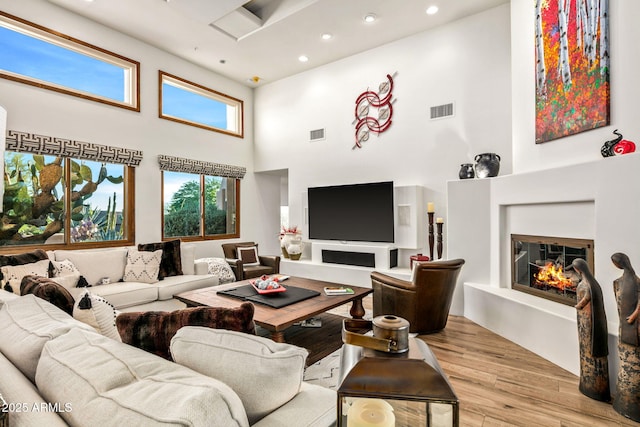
(500, 383)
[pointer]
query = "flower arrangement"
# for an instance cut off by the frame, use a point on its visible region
(290, 230)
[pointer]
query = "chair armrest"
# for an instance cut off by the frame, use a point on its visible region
(237, 268)
(392, 281)
(272, 261)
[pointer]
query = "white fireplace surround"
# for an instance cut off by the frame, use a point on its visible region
(598, 200)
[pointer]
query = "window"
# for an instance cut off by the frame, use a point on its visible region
(189, 103)
(38, 56)
(37, 198)
(185, 194)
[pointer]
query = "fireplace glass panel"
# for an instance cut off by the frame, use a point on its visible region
(542, 266)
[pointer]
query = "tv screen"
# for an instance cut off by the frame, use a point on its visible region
(357, 212)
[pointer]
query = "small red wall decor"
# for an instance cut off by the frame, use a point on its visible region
(373, 111)
(572, 67)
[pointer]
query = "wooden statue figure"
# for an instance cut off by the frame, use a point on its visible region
(592, 335)
(627, 290)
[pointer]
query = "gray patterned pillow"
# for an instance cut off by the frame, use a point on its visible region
(219, 267)
(142, 266)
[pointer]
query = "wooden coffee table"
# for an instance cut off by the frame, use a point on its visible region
(276, 320)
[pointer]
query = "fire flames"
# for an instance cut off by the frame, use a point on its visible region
(553, 275)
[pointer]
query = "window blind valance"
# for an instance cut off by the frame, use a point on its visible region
(49, 145)
(178, 164)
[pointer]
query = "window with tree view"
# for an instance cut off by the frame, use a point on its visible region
(39, 190)
(199, 206)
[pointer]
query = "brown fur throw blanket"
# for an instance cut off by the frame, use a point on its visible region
(48, 290)
(152, 330)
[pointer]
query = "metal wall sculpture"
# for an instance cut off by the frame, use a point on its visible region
(572, 67)
(367, 104)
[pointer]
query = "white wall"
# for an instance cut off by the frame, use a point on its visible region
(467, 62)
(625, 91)
(48, 113)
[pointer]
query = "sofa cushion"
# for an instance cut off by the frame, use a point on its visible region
(48, 290)
(96, 264)
(273, 371)
(20, 394)
(13, 275)
(98, 313)
(142, 266)
(123, 294)
(171, 264)
(171, 286)
(313, 406)
(152, 330)
(27, 323)
(109, 383)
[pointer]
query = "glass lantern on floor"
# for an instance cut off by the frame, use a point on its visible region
(394, 390)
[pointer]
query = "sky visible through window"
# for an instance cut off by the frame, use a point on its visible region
(35, 58)
(187, 105)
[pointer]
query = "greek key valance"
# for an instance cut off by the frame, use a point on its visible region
(178, 164)
(49, 145)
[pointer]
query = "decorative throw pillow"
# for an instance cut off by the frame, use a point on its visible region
(276, 369)
(24, 258)
(97, 312)
(152, 330)
(142, 266)
(64, 268)
(219, 267)
(48, 290)
(69, 282)
(248, 255)
(171, 264)
(13, 274)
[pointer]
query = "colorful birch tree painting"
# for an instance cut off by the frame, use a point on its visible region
(572, 67)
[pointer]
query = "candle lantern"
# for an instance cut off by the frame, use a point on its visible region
(394, 389)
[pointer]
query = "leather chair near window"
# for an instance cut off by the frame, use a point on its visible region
(249, 265)
(424, 300)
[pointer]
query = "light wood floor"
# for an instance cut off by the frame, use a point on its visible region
(500, 383)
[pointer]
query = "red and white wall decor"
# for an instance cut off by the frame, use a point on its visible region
(373, 111)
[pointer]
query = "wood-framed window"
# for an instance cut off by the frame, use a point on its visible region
(192, 104)
(41, 57)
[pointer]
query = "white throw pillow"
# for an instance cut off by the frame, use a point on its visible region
(142, 266)
(13, 274)
(97, 264)
(219, 267)
(265, 374)
(64, 268)
(98, 313)
(69, 282)
(248, 255)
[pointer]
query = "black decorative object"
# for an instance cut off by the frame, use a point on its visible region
(487, 165)
(466, 171)
(617, 146)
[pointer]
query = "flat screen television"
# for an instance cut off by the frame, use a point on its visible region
(356, 212)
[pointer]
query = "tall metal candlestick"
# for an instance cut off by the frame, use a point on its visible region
(430, 215)
(439, 239)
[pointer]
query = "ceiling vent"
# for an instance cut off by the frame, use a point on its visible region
(238, 24)
(316, 135)
(442, 111)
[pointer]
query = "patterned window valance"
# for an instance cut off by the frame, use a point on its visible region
(49, 145)
(178, 164)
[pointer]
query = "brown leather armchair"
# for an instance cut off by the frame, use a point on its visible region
(269, 264)
(424, 301)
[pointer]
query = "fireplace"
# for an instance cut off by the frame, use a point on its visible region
(542, 266)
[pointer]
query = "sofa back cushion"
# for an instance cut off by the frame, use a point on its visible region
(96, 264)
(152, 330)
(109, 383)
(27, 323)
(271, 372)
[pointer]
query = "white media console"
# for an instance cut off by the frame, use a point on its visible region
(362, 255)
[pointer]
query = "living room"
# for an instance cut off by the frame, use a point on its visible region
(483, 63)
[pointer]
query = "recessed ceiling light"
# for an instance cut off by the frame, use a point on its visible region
(369, 17)
(432, 10)
(303, 58)
(326, 36)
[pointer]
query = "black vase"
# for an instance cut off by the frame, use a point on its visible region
(466, 171)
(487, 165)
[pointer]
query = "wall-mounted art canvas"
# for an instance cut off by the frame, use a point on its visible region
(572, 67)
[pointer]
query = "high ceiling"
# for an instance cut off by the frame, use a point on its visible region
(241, 39)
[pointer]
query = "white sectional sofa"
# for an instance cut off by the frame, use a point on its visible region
(131, 295)
(57, 371)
